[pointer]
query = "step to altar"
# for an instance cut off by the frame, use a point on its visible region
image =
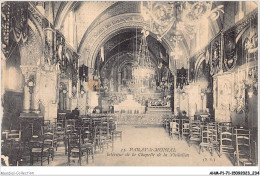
(142, 119)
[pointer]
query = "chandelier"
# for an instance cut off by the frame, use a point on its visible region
(142, 68)
(180, 15)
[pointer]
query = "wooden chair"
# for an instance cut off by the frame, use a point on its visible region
(167, 125)
(50, 141)
(213, 127)
(38, 150)
(114, 132)
(175, 128)
(5, 148)
(14, 144)
(59, 133)
(206, 139)
(74, 147)
(195, 132)
(242, 154)
(105, 138)
(70, 126)
(86, 129)
(88, 146)
(223, 124)
(225, 140)
(4, 135)
(47, 123)
(185, 128)
(69, 129)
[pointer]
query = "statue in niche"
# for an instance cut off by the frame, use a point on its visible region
(230, 58)
(215, 60)
(251, 46)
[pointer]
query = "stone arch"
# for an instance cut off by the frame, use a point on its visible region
(63, 11)
(199, 61)
(93, 40)
(33, 53)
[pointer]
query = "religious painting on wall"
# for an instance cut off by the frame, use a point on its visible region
(215, 60)
(224, 96)
(240, 43)
(239, 99)
(230, 56)
(250, 42)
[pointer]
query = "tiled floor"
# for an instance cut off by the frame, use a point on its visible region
(149, 146)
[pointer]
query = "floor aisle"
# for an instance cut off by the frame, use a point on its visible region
(149, 146)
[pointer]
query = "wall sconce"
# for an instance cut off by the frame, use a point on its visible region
(250, 93)
(64, 91)
(202, 94)
(74, 90)
(82, 91)
(183, 95)
(31, 84)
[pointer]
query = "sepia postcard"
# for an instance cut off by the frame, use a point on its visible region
(129, 83)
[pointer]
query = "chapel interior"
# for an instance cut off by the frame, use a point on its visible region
(129, 83)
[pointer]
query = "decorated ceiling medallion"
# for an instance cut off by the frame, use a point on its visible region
(230, 57)
(194, 11)
(181, 15)
(160, 15)
(215, 58)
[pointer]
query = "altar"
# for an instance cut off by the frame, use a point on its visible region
(129, 106)
(141, 119)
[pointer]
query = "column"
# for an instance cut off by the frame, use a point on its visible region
(36, 91)
(119, 82)
(26, 100)
(3, 78)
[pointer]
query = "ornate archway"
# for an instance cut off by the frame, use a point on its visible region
(93, 40)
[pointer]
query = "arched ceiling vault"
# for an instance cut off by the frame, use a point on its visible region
(63, 10)
(100, 21)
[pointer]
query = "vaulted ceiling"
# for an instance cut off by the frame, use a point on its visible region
(100, 24)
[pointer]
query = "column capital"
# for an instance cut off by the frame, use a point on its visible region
(27, 70)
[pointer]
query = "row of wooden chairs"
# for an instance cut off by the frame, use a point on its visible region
(220, 137)
(88, 133)
(11, 146)
(93, 133)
